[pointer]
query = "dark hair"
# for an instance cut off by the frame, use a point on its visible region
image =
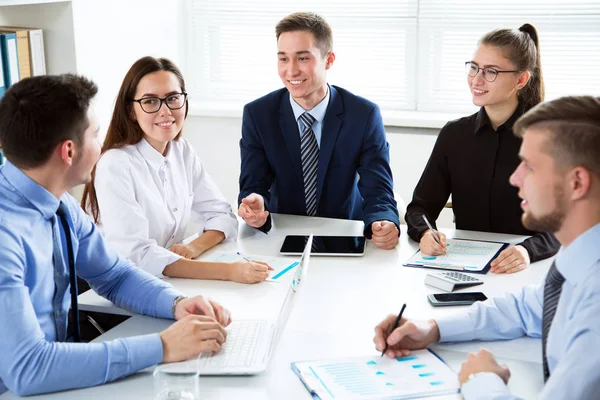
(309, 22)
(522, 48)
(573, 126)
(38, 113)
(123, 129)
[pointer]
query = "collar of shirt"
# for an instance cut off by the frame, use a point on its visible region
(151, 155)
(575, 260)
(36, 194)
(482, 120)
(318, 111)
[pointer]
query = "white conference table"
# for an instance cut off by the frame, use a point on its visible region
(334, 314)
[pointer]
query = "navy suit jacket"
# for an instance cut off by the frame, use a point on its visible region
(353, 145)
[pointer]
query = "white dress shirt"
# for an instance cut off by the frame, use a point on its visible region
(146, 200)
(574, 334)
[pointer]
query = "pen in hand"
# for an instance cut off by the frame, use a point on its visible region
(244, 257)
(433, 231)
(394, 326)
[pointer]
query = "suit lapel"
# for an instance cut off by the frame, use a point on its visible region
(291, 134)
(332, 124)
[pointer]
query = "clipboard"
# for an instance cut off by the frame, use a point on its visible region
(309, 375)
(470, 256)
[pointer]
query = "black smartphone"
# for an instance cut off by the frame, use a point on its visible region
(325, 245)
(455, 299)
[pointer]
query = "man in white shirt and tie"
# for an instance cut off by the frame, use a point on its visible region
(559, 182)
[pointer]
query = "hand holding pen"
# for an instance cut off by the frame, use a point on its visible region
(396, 336)
(432, 242)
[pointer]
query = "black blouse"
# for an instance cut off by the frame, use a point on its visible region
(473, 162)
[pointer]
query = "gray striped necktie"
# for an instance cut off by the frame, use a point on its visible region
(552, 289)
(309, 151)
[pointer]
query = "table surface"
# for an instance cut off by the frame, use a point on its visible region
(334, 313)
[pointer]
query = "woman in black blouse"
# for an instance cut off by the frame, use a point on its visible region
(474, 156)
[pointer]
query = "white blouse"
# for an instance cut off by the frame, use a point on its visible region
(146, 201)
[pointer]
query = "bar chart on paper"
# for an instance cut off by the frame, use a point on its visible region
(467, 255)
(421, 374)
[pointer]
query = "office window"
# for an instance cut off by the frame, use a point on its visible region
(405, 55)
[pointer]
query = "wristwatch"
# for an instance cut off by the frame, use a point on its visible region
(175, 301)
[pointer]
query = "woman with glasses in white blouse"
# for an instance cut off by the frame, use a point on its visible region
(149, 183)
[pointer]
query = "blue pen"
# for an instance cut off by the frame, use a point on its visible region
(243, 256)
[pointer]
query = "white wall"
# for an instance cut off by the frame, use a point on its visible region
(111, 34)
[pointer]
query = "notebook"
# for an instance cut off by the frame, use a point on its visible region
(422, 374)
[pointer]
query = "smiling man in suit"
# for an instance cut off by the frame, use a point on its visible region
(312, 148)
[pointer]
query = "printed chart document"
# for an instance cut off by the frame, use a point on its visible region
(421, 374)
(280, 265)
(462, 255)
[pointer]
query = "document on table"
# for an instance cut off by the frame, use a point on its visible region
(463, 255)
(421, 374)
(280, 265)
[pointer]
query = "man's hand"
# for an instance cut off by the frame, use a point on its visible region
(482, 361)
(510, 260)
(186, 250)
(199, 305)
(430, 246)
(409, 335)
(252, 210)
(190, 336)
(385, 234)
(249, 271)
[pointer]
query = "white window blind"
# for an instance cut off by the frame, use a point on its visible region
(232, 49)
(405, 55)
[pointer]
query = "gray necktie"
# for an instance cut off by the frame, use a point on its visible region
(309, 151)
(552, 289)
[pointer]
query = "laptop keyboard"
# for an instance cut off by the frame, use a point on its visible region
(240, 348)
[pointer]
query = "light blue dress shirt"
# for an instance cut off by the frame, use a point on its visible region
(574, 336)
(318, 113)
(35, 297)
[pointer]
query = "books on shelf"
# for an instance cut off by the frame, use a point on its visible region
(21, 55)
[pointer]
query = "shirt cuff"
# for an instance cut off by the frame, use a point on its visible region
(228, 224)
(127, 356)
(457, 327)
(156, 260)
(485, 385)
(164, 303)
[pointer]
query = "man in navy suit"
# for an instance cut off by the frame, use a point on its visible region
(313, 148)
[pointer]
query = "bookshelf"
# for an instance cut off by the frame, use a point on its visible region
(56, 19)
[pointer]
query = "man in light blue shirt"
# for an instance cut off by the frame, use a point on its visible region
(49, 137)
(559, 182)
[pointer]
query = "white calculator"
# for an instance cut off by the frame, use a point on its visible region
(450, 281)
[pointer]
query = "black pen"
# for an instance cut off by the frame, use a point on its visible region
(398, 318)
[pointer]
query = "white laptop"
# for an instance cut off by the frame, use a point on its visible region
(250, 343)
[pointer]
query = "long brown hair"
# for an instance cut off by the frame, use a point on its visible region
(123, 130)
(522, 48)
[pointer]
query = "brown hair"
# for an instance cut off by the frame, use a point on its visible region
(522, 48)
(309, 22)
(573, 127)
(38, 113)
(123, 130)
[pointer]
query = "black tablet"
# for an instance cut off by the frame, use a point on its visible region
(353, 246)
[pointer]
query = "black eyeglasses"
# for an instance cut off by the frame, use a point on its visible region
(151, 105)
(489, 74)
